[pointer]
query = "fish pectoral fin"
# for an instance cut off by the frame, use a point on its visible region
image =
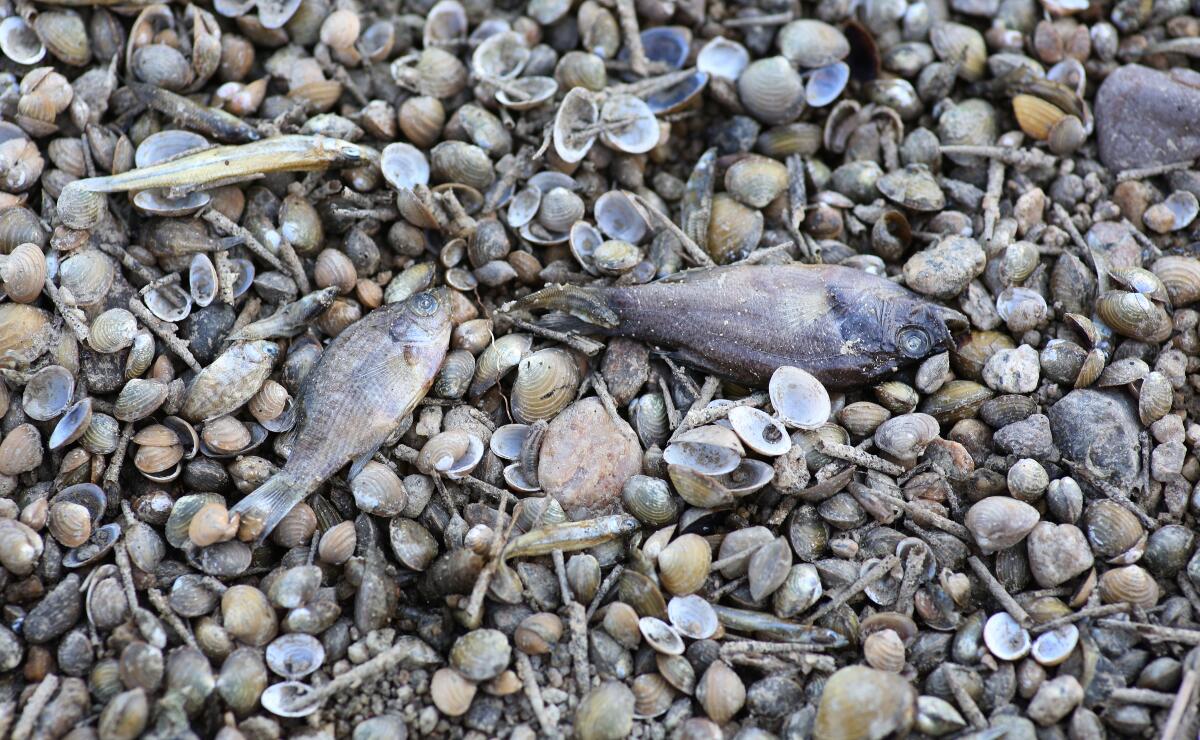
(180, 191)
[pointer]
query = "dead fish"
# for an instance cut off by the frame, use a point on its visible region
(367, 381)
(289, 320)
(570, 536)
(844, 326)
(769, 627)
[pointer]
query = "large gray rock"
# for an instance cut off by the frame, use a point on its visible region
(1099, 430)
(1145, 117)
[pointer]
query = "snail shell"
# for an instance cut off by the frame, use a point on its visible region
(211, 524)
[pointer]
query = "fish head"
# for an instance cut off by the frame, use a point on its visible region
(917, 328)
(343, 153)
(425, 318)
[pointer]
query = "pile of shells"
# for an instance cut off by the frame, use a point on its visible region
(648, 368)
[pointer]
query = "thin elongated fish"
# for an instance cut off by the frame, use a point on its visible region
(371, 376)
(220, 164)
(845, 326)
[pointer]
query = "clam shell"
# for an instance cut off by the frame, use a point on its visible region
(73, 424)
(723, 58)
(650, 500)
(139, 398)
(756, 180)
(693, 616)
(546, 382)
(242, 679)
(576, 115)
(661, 636)
(452, 694)
(1005, 638)
(618, 217)
(378, 490)
(799, 398)
(630, 125)
(295, 655)
(1132, 584)
(1181, 277)
(1054, 647)
(683, 564)
(1036, 116)
(497, 359)
(202, 280)
(289, 699)
(404, 166)
(720, 692)
(102, 435)
(905, 437)
(88, 275)
(21, 450)
(1113, 531)
(1134, 315)
(48, 393)
(24, 273)
(771, 90)
(113, 331)
(19, 42)
(709, 449)
(884, 650)
(653, 696)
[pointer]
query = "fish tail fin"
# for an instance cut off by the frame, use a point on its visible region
(262, 510)
(588, 305)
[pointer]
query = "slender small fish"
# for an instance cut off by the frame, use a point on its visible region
(742, 322)
(570, 536)
(770, 627)
(223, 164)
(215, 122)
(289, 320)
(370, 377)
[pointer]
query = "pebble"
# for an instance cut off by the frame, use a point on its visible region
(1029, 437)
(1057, 553)
(1168, 429)
(1099, 429)
(591, 482)
(1013, 370)
(1055, 700)
(1166, 461)
(1136, 99)
(971, 122)
(945, 269)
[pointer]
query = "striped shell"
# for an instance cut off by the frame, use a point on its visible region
(546, 382)
(1132, 584)
(139, 398)
(497, 359)
(21, 450)
(269, 402)
(378, 490)
(24, 273)
(1181, 276)
(113, 331)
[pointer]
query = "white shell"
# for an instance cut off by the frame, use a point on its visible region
(1054, 647)
(202, 280)
(692, 616)
(279, 699)
(723, 58)
(760, 432)
(618, 218)
(1005, 638)
(404, 166)
(661, 636)
(799, 398)
(295, 655)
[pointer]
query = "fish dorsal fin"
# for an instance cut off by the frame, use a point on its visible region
(697, 274)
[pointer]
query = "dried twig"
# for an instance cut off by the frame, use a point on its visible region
(34, 706)
(533, 692)
(876, 572)
(712, 384)
(587, 346)
(963, 698)
(1081, 471)
(632, 35)
(1185, 698)
(859, 457)
(165, 332)
(1091, 612)
(1147, 697)
(159, 602)
(693, 250)
(222, 224)
(1154, 632)
(475, 602)
(1141, 173)
(70, 313)
(998, 592)
(605, 586)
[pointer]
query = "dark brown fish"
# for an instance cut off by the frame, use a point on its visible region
(844, 326)
(370, 377)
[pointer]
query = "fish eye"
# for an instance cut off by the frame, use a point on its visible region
(914, 342)
(425, 304)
